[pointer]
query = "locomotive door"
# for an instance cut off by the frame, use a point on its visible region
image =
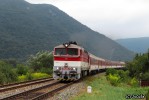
(89, 62)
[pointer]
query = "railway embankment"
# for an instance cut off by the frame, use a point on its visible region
(75, 89)
(69, 92)
(102, 89)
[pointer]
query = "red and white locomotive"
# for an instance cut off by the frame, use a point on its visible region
(72, 62)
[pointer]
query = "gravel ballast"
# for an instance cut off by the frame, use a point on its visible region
(69, 92)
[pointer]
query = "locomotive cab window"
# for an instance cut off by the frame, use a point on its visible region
(60, 51)
(72, 51)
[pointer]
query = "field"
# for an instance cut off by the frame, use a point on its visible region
(103, 90)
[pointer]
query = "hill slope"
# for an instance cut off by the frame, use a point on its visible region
(138, 45)
(28, 28)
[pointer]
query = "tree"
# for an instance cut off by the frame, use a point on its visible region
(21, 69)
(140, 64)
(40, 60)
(7, 75)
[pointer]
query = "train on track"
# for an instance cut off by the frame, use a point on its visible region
(71, 62)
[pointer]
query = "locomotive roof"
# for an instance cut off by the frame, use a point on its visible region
(96, 57)
(70, 46)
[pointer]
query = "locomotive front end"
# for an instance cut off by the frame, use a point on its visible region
(66, 62)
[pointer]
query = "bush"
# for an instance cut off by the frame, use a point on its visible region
(29, 76)
(40, 60)
(114, 79)
(39, 75)
(3, 78)
(124, 75)
(46, 70)
(120, 75)
(22, 78)
(111, 71)
(21, 69)
(147, 95)
(145, 76)
(138, 65)
(7, 75)
(134, 82)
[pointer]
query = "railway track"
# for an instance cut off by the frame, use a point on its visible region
(9, 87)
(40, 92)
(12, 84)
(51, 93)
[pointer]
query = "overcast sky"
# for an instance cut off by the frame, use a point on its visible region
(113, 18)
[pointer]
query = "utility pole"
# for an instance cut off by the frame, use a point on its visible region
(148, 54)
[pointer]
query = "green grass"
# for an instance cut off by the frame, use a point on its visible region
(103, 90)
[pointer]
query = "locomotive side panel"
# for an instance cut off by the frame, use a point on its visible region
(94, 63)
(84, 60)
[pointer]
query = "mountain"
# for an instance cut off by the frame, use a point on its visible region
(28, 28)
(138, 45)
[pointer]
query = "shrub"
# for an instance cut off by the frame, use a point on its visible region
(145, 76)
(124, 75)
(7, 75)
(46, 70)
(138, 65)
(29, 76)
(39, 75)
(22, 78)
(21, 69)
(111, 71)
(3, 78)
(134, 82)
(147, 95)
(114, 79)
(41, 59)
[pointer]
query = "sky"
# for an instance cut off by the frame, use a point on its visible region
(116, 19)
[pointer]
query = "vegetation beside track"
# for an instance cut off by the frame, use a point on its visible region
(117, 84)
(121, 77)
(103, 90)
(139, 67)
(136, 70)
(38, 66)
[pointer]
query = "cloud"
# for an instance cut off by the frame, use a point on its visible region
(114, 18)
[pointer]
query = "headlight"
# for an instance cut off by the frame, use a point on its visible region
(66, 45)
(74, 68)
(57, 68)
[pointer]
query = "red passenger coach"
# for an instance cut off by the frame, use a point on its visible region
(72, 62)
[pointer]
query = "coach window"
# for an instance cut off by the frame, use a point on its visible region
(72, 51)
(60, 51)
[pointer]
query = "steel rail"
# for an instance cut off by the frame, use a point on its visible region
(24, 84)
(11, 84)
(12, 97)
(51, 93)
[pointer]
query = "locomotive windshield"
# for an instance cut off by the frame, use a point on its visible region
(72, 51)
(60, 51)
(68, 51)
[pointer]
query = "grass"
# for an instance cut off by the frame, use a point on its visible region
(103, 90)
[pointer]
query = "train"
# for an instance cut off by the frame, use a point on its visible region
(72, 62)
